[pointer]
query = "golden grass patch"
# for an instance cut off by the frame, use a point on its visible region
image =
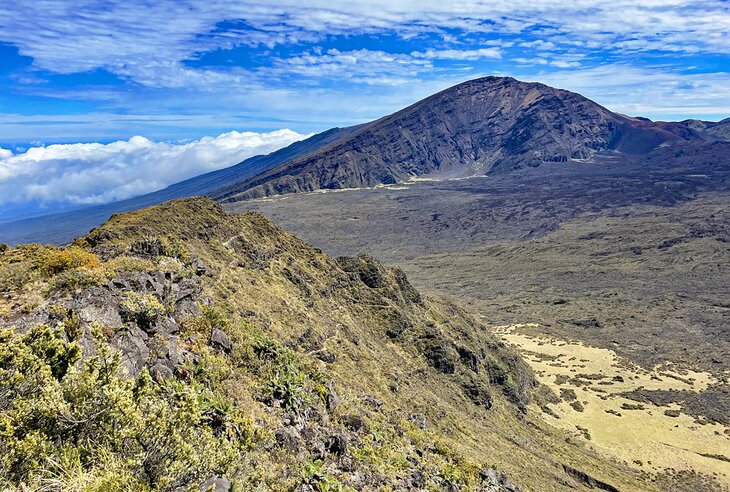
(642, 435)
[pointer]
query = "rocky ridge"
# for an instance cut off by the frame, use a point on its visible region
(349, 376)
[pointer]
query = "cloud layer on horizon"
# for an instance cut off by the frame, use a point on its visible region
(94, 173)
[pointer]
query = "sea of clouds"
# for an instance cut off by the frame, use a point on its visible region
(95, 173)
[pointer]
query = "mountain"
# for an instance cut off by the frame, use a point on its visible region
(61, 228)
(716, 129)
(492, 124)
(181, 348)
(487, 125)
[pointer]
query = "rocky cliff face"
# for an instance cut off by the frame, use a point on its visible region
(491, 124)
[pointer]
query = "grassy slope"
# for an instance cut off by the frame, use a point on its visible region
(387, 342)
(366, 357)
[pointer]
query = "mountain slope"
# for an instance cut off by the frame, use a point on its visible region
(267, 363)
(489, 124)
(715, 129)
(63, 227)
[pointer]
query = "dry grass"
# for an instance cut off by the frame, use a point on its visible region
(640, 435)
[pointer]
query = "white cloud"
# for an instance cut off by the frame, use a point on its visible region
(530, 61)
(539, 44)
(477, 54)
(92, 173)
(656, 92)
(564, 64)
(567, 62)
(137, 39)
(363, 66)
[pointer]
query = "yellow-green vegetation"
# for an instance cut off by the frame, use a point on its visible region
(31, 273)
(293, 369)
(56, 261)
(650, 437)
(141, 308)
(83, 426)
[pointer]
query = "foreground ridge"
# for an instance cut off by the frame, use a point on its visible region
(181, 347)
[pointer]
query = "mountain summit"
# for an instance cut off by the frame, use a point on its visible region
(491, 124)
(487, 125)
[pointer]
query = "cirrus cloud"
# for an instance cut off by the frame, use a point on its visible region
(477, 54)
(134, 38)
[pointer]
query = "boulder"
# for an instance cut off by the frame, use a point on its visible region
(288, 438)
(220, 340)
(216, 484)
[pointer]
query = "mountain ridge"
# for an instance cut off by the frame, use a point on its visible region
(538, 133)
(318, 370)
(491, 124)
(718, 129)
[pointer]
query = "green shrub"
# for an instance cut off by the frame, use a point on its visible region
(286, 377)
(210, 317)
(174, 249)
(143, 309)
(14, 276)
(286, 383)
(314, 476)
(19, 266)
(81, 426)
(57, 261)
(80, 278)
(127, 264)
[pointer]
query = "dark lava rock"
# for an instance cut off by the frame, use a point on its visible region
(439, 355)
(220, 340)
(199, 266)
(337, 444)
(216, 484)
(354, 422)
(326, 356)
(333, 398)
(587, 323)
(478, 391)
(468, 358)
(288, 438)
(495, 481)
(368, 269)
(148, 248)
(419, 420)
(133, 345)
(160, 372)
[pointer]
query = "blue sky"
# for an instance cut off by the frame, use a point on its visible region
(178, 71)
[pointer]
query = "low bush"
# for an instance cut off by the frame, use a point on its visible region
(314, 476)
(56, 261)
(143, 309)
(69, 425)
